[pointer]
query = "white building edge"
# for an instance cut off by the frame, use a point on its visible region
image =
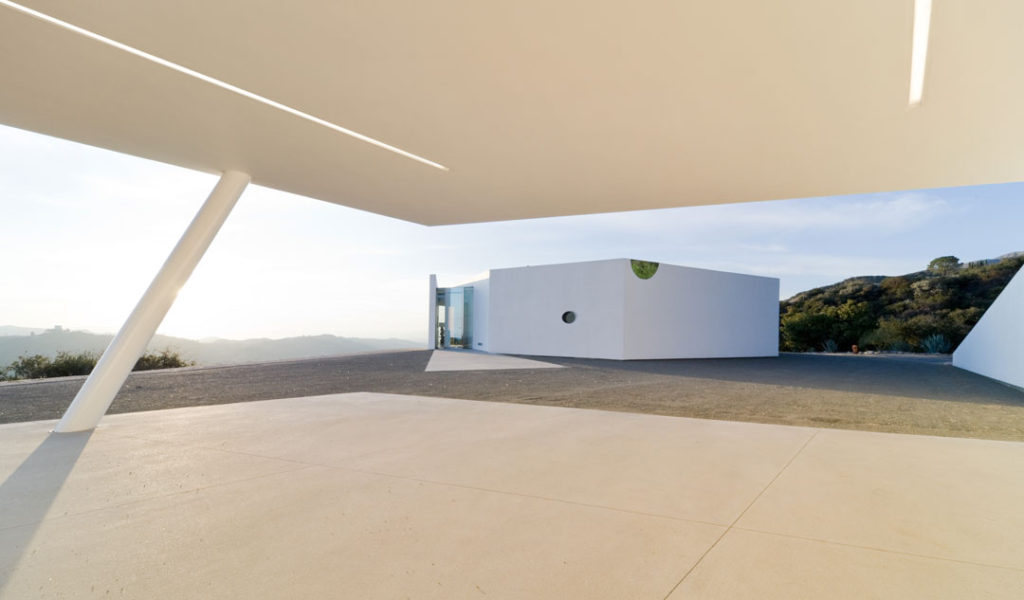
(608, 309)
(995, 346)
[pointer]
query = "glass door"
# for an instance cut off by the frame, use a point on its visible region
(454, 317)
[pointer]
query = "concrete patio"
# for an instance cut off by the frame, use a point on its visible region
(377, 496)
(474, 360)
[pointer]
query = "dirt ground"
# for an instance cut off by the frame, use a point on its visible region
(889, 393)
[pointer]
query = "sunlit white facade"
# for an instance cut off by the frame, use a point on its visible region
(604, 309)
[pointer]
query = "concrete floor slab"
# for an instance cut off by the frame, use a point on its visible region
(374, 495)
(946, 498)
(74, 473)
(474, 360)
(693, 469)
(748, 565)
(329, 533)
(685, 468)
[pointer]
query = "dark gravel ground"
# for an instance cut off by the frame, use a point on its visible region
(892, 393)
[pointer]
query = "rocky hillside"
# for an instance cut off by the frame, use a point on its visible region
(927, 311)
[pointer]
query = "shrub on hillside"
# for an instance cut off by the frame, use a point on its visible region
(37, 366)
(66, 364)
(844, 325)
(29, 367)
(896, 313)
(165, 359)
(944, 265)
(935, 344)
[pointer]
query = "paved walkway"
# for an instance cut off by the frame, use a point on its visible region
(383, 496)
(474, 360)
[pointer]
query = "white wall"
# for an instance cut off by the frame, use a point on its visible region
(995, 347)
(683, 312)
(432, 314)
(679, 313)
(481, 312)
(527, 303)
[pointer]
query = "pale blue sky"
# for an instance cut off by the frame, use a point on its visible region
(83, 231)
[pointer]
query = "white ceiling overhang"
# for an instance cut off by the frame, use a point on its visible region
(538, 108)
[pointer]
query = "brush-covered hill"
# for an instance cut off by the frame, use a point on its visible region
(927, 311)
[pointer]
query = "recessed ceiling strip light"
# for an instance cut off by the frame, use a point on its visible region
(919, 49)
(217, 82)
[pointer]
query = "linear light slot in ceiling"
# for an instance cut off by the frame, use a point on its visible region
(919, 49)
(217, 82)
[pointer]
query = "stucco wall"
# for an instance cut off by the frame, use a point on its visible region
(682, 312)
(432, 313)
(679, 313)
(481, 312)
(527, 303)
(995, 347)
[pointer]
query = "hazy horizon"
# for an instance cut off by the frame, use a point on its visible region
(85, 230)
(4, 327)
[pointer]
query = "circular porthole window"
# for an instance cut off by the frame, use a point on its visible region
(568, 316)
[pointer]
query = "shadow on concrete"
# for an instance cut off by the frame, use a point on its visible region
(28, 493)
(912, 376)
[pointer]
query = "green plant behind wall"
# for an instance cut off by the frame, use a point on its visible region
(644, 269)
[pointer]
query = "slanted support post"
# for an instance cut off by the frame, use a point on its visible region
(117, 361)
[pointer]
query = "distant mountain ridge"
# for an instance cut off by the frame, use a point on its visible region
(14, 330)
(218, 352)
(930, 310)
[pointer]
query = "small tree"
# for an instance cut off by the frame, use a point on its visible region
(29, 367)
(66, 363)
(164, 359)
(944, 265)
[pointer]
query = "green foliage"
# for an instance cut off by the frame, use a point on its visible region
(944, 265)
(896, 313)
(66, 364)
(29, 367)
(165, 359)
(841, 325)
(644, 269)
(801, 331)
(935, 344)
(37, 366)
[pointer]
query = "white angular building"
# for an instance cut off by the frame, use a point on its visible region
(613, 309)
(995, 346)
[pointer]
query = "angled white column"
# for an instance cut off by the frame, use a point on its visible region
(117, 361)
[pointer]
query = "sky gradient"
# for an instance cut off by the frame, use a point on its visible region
(84, 231)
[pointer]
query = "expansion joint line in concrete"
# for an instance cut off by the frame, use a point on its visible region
(740, 516)
(885, 550)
